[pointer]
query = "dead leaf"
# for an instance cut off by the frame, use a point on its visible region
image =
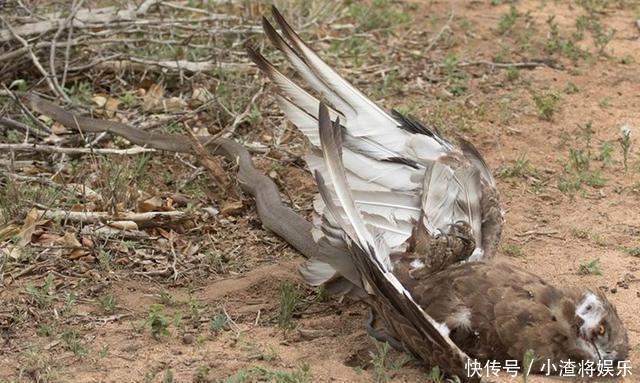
(99, 100)
(28, 227)
(174, 104)
(170, 235)
(112, 106)
(58, 129)
(231, 207)
(15, 252)
(73, 247)
(9, 231)
(47, 239)
(200, 96)
(86, 242)
(154, 203)
(152, 97)
(84, 191)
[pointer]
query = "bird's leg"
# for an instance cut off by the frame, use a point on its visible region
(438, 253)
(381, 336)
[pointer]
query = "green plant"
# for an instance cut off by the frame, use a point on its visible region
(107, 303)
(42, 296)
(626, 60)
(528, 359)
(69, 301)
(578, 168)
(383, 366)
(633, 251)
(177, 320)
(194, 307)
(20, 85)
(45, 330)
(605, 102)
(606, 154)
(457, 80)
(149, 376)
(357, 48)
(435, 375)
(521, 167)
(71, 339)
(507, 20)
(201, 374)
(158, 321)
(167, 377)
(323, 294)
(513, 73)
(81, 92)
(128, 99)
(557, 43)
(625, 142)
(105, 257)
(165, 297)
(381, 14)
(301, 375)
(570, 88)
(288, 303)
(590, 268)
(546, 104)
(512, 250)
(218, 323)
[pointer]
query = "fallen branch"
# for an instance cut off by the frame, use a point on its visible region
(142, 65)
(83, 17)
(57, 149)
(98, 216)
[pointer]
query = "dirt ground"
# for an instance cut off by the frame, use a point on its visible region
(550, 131)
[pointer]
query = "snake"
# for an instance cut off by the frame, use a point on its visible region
(275, 216)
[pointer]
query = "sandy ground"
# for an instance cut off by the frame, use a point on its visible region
(547, 231)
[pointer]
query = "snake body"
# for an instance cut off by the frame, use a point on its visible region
(273, 213)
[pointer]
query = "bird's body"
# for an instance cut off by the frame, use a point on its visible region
(496, 311)
(417, 218)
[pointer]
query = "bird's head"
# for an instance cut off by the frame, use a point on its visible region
(600, 332)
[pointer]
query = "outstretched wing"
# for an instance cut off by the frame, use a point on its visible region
(399, 171)
(417, 331)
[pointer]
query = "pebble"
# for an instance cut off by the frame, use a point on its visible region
(188, 339)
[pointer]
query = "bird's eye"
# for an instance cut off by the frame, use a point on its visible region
(601, 329)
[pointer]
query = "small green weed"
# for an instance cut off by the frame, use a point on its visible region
(625, 143)
(218, 323)
(383, 367)
(513, 250)
(42, 296)
(107, 303)
(528, 359)
(590, 268)
(520, 168)
(547, 104)
(508, 20)
(633, 251)
(158, 321)
(72, 339)
(570, 88)
(288, 303)
(512, 73)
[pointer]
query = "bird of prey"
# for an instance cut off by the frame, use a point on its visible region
(417, 218)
